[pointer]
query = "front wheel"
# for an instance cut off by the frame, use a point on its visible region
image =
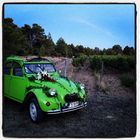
(35, 113)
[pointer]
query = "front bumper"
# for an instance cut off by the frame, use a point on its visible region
(64, 110)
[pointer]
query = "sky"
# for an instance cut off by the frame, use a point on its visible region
(90, 25)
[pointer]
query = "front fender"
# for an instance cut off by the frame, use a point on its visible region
(42, 99)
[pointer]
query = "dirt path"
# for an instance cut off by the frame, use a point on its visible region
(106, 115)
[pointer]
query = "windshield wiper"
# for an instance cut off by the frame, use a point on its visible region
(31, 70)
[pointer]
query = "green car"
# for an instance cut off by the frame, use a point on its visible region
(37, 84)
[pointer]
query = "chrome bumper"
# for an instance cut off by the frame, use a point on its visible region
(64, 110)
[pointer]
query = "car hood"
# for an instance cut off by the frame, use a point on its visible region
(62, 85)
(64, 88)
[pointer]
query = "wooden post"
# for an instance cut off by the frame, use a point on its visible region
(65, 70)
(102, 70)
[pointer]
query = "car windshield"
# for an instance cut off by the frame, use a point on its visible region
(35, 68)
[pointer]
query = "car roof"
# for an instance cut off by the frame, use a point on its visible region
(26, 60)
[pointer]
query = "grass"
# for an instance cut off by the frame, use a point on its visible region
(100, 83)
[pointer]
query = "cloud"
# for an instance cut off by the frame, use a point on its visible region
(94, 26)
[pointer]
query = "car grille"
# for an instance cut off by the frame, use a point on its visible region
(71, 97)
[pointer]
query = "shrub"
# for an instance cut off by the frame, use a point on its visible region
(121, 63)
(118, 62)
(95, 63)
(79, 61)
(76, 62)
(131, 61)
(128, 81)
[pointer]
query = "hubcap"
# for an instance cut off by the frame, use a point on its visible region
(33, 111)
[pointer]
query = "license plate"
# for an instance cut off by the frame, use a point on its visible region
(73, 104)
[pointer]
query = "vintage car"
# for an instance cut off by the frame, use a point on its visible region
(37, 84)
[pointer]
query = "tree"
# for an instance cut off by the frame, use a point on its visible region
(73, 50)
(70, 50)
(27, 31)
(116, 49)
(109, 51)
(49, 45)
(128, 51)
(61, 47)
(104, 51)
(42, 51)
(38, 35)
(80, 48)
(35, 36)
(13, 38)
(32, 40)
(96, 50)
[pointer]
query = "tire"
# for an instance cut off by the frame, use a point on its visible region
(35, 113)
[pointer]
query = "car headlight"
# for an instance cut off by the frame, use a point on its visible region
(52, 92)
(82, 86)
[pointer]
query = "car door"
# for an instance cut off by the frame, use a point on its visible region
(18, 83)
(7, 78)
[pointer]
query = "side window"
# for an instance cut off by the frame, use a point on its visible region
(17, 70)
(7, 68)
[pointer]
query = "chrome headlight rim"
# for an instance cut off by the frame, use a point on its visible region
(52, 92)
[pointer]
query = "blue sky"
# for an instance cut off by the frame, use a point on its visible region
(91, 25)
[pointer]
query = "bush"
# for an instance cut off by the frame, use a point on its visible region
(128, 81)
(121, 63)
(79, 61)
(117, 62)
(96, 63)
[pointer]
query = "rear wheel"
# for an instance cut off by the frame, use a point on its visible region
(35, 113)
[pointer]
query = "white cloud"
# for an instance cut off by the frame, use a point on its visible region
(95, 27)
